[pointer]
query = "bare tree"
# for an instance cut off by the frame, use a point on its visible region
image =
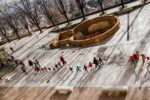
(81, 5)
(9, 17)
(24, 22)
(61, 7)
(3, 28)
(30, 9)
(45, 7)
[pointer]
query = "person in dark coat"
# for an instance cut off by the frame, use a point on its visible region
(23, 68)
(12, 49)
(101, 61)
(85, 68)
(78, 69)
(37, 63)
(71, 69)
(12, 58)
(56, 66)
(49, 69)
(95, 61)
(30, 63)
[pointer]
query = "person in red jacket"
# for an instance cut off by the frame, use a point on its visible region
(132, 59)
(62, 60)
(90, 65)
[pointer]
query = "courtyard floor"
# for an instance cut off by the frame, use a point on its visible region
(116, 71)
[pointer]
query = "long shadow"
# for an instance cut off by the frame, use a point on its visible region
(33, 44)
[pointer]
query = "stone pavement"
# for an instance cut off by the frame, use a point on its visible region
(115, 52)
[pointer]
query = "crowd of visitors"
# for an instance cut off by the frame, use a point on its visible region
(137, 56)
(98, 62)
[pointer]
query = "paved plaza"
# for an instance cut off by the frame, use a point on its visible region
(116, 71)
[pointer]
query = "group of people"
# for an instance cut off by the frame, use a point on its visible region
(98, 62)
(38, 68)
(135, 58)
(34, 64)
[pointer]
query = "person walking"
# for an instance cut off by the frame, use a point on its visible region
(12, 58)
(101, 61)
(78, 69)
(85, 68)
(30, 63)
(37, 64)
(59, 64)
(71, 69)
(148, 65)
(143, 58)
(62, 60)
(137, 54)
(90, 65)
(132, 59)
(56, 66)
(23, 68)
(95, 61)
(12, 49)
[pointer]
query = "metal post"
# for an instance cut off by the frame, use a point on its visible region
(128, 27)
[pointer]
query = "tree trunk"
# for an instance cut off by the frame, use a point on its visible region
(29, 31)
(66, 17)
(83, 15)
(16, 32)
(52, 21)
(39, 28)
(101, 6)
(7, 38)
(122, 3)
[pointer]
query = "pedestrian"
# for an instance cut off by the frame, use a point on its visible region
(137, 54)
(23, 68)
(12, 58)
(63, 60)
(30, 63)
(101, 61)
(49, 69)
(44, 47)
(95, 61)
(53, 68)
(56, 66)
(37, 64)
(17, 62)
(71, 69)
(12, 49)
(143, 58)
(78, 69)
(59, 64)
(148, 61)
(90, 65)
(85, 68)
(148, 66)
(132, 59)
(37, 69)
(2, 65)
(135, 58)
